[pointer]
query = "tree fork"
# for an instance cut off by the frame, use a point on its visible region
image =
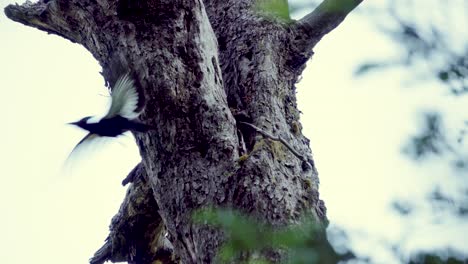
(198, 65)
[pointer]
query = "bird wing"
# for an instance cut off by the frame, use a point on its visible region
(85, 141)
(124, 98)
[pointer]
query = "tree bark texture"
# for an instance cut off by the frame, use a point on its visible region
(203, 69)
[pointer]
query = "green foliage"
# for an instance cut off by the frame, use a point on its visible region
(248, 238)
(274, 8)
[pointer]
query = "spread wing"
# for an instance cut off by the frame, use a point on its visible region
(124, 99)
(85, 141)
(83, 150)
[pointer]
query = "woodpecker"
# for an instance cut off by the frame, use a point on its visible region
(120, 117)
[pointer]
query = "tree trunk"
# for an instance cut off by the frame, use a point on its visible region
(218, 80)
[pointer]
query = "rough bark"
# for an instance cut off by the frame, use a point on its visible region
(202, 68)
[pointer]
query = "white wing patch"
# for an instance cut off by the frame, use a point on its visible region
(82, 151)
(79, 148)
(124, 99)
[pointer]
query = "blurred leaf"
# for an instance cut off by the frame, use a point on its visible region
(367, 67)
(443, 76)
(456, 204)
(463, 210)
(433, 140)
(305, 241)
(439, 197)
(402, 207)
(436, 258)
(429, 139)
(460, 164)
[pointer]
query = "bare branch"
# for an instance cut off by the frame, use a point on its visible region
(326, 17)
(43, 16)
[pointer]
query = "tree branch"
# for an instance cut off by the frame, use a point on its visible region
(326, 17)
(311, 28)
(43, 16)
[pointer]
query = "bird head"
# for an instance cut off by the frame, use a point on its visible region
(81, 123)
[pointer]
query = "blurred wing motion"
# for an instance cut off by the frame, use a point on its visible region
(85, 141)
(119, 118)
(124, 99)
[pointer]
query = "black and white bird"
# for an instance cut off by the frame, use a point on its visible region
(121, 115)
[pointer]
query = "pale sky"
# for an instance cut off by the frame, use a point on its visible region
(357, 128)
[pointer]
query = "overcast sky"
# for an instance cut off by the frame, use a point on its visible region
(56, 214)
